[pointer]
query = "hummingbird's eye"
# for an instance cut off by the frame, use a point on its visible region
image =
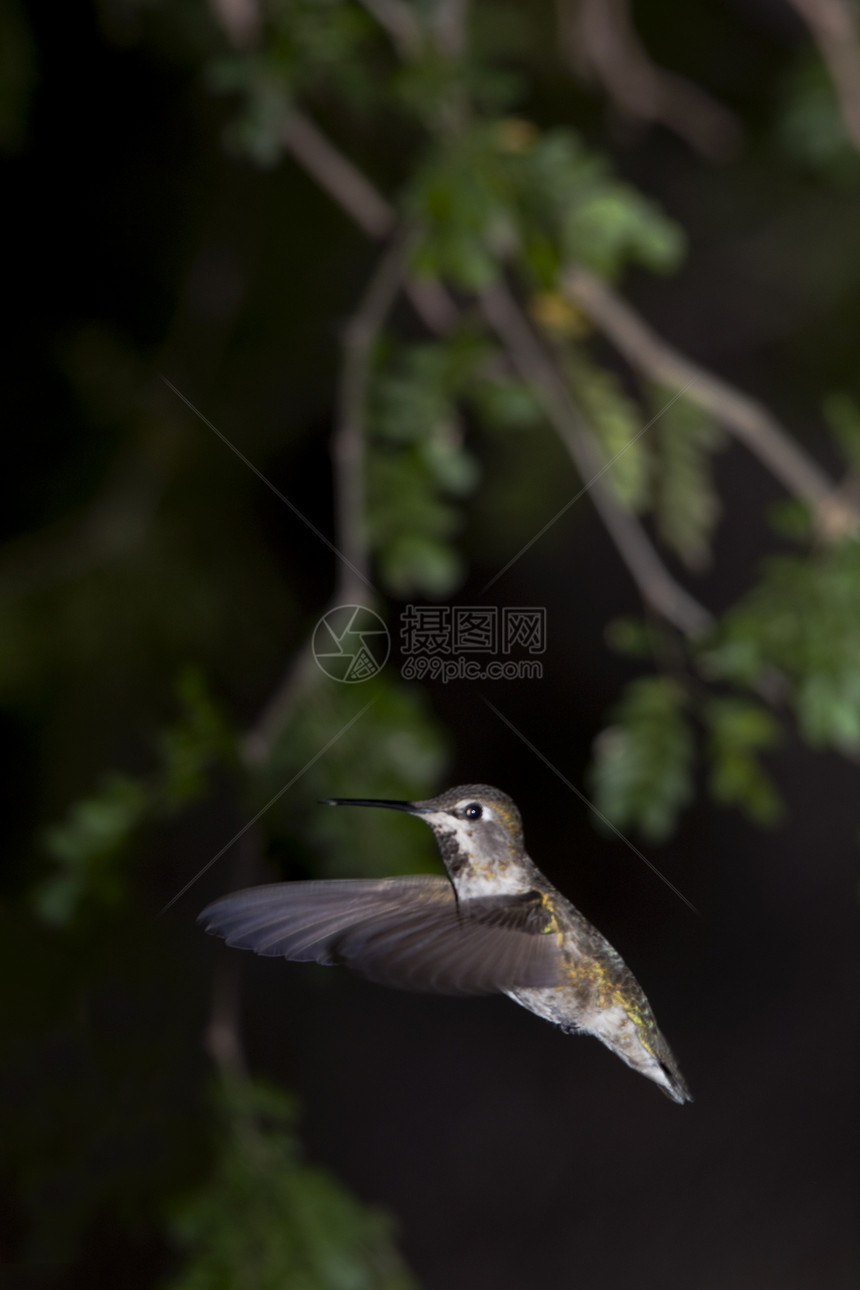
(473, 811)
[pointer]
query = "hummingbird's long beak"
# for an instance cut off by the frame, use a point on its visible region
(412, 808)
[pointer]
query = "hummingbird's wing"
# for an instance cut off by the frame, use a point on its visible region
(409, 932)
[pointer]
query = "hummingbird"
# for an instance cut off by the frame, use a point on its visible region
(495, 924)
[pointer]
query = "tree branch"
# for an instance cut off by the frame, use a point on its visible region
(348, 442)
(365, 206)
(835, 513)
(400, 22)
(348, 456)
(223, 1037)
(449, 23)
(337, 176)
(600, 42)
(656, 585)
(241, 20)
(751, 423)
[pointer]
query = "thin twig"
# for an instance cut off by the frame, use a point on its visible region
(348, 442)
(450, 19)
(656, 585)
(223, 1037)
(241, 20)
(366, 207)
(751, 423)
(400, 22)
(748, 420)
(834, 29)
(348, 454)
(337, 176)
(600, 42)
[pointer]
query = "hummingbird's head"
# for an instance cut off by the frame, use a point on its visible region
(480, 836)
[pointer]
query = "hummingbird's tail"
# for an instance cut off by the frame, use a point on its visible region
(673, 1083)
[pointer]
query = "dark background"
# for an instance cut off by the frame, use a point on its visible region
(510, 1155)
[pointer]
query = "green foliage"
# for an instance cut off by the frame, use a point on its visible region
(791, 519)
(642, 770)
(266, 1220)
(310, 44)
(418, 467)
(686, 504)
(737, 731)
(463, 196)
(395, 750)
(93, 605)
(262, 83)
(570, 198)
(633, 637)
(87, 846)
(192, 747)
(801, 620)
(502, 190)
(89, 849)
(843, 418)
(504, 402)
(618, 422)
(810, 126)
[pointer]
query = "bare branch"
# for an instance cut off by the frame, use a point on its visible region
(240, 19)
(833, 25)
(348, 442)
(223, 1038)
(348, 456)
(836, 513)
(656, 585)
(337, 176)
(400, 22)
(365, 206)
(751, 423)
(449, 23)
(600, 42)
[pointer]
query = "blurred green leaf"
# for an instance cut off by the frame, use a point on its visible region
(504, 402)
(801, 620)
(571, 208)
(686, 503)
(414, 564)
(810, 126)
(191, 747)
(267, 1219)
(634, 637)
(642, 765)
(395, 750)
(791, 519)
(462, 198)
(89, 849)
(418, 465)
(86, 845)
(617, 421)
(737, 731)
(615, 224)
(308, 43)
(842, 413)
